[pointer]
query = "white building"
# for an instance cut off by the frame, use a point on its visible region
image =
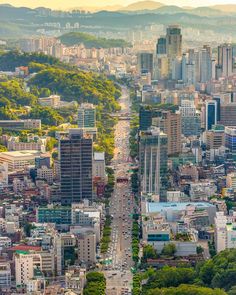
(24, 267)
(225, 231)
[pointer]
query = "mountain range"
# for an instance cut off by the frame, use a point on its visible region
(144, 6)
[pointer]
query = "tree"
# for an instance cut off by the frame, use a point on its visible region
(149, 252)
(3, 148)
(186, 290)
(169, 249)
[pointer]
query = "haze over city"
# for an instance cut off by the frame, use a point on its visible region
(60, 4)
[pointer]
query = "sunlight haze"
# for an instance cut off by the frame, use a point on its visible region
(61, 4)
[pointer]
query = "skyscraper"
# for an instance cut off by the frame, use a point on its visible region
(153, 161)
(145, 62)
(230, 139)
(161, 45)
(75, 154)
(205, 65)
(190, 118)
(87, 116)
(168, 121)
(173, 42)
(225, 60)
(211, 114)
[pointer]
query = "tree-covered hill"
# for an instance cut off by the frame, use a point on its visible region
(90, 41)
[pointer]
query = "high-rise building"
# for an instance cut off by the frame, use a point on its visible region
(225, 60)
(173, 42)
(76, 157)
(168, 121)
(87, 118)
(153, 162)
(190, 118)
(161, 45)
(205, 65)
(87, 247)
(145, 62)
(211, 114)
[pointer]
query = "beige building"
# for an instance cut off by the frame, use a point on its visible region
(215, 138)
(75, 279)
(24, 267)
(231, 181)
(51, 101)
(17, 160)
(99, 165)
(87, 247)
(45, 173)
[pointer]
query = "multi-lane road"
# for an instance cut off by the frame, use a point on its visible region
(118, 274)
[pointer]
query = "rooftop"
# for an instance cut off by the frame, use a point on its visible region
(162, 206)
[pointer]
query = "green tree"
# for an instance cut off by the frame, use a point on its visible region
(169, 249)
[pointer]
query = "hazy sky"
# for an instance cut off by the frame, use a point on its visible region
(64, 4)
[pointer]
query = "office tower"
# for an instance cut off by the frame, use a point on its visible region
(228, 114)
(76, 156)
(87, 116)
(205, 65)
(188, 69)
(190, 118)
(225, 60)
(161, 67)
(169, 122)
(145, 62)
(153, 161)
(87, 247)
(230, 139)
(173, 42)
(217, 98)
(211, 114)
(176, 68)
(161, 46)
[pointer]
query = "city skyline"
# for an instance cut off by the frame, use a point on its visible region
(105, 3)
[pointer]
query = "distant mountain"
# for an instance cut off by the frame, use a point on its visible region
(230, 8)
(143, 5)
(170, 9)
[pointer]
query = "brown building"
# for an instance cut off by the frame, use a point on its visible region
(172, 128)
(215, 138)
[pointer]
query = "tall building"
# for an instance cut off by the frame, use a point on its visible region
(225, 60)
(87, 118)
(76, 157)
(168, 121)
(153, 161)
(173, 42)
(161, 45)
(171, 125)
(145, 62)
(211, 114)
(205, 65)
(190, 118)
